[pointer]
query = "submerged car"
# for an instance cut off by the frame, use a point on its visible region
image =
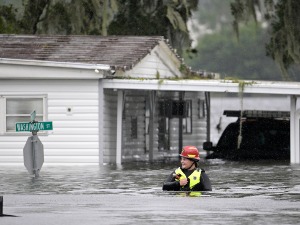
(256, 135)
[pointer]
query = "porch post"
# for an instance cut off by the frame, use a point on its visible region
(294, 132)
(119, 128)
(100, 120)
(180, 130)
(207, 99)
(151, 125)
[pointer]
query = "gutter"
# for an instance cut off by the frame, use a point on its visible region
(26, 62)
(225, 86)
(40, 69)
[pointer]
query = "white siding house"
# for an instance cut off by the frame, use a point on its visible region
(64, 79)
(111, 99)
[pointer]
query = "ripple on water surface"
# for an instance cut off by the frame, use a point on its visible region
(229, 179)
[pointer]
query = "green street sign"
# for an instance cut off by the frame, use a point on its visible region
(34, 126)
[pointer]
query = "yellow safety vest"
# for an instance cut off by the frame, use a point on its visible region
(194, 177)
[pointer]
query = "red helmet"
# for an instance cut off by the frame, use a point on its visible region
(190, 152)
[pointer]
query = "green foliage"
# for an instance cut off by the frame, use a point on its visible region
(57, 22)
(175, 19)
(284, 45)
(154, 17)
(32, 13)
(103, 17)
(157, 75)
(245, 59)
(214, 14)
(8, 21)
(133, 20)
(283, 17)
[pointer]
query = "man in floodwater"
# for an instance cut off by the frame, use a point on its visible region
(188, 177)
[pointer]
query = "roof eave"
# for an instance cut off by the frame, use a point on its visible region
(38, 69)
(55, 64)
(225, 86)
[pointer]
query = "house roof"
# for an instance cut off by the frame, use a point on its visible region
(120, 52)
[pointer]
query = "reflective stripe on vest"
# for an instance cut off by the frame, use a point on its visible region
(194, 177)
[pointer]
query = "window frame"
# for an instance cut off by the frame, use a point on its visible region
(4, 115)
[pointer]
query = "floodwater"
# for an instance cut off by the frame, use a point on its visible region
(261, 192)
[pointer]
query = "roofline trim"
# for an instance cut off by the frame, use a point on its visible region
(225, 86)
(27, 62)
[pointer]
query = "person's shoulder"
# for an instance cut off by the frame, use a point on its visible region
(202, 170)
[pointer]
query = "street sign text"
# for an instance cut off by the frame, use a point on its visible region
(35, 126)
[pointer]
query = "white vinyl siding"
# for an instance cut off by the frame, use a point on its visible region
(72, 106)
(110, 126)
(157, 64)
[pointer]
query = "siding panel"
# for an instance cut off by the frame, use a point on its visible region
(74, 138)
(110, 126)
(158, 62)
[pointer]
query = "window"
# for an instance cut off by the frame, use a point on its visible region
(187, 120)
(16, 109)
(134, 127)
(147, 116)
(163, 133)
(172, 108)
(201, 108)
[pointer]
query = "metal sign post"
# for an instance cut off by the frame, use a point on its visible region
(33, 151)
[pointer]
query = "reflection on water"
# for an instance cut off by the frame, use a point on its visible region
(229, 179)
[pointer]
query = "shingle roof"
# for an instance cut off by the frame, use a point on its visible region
(116, 51)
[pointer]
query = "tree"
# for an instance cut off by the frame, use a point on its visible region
(155, 17)
(222, 53)
(166, 18)
(283, 17)
(8, 21)
(32, 15)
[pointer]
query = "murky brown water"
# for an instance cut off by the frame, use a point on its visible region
(265, 192)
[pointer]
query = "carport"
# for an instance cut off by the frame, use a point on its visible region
(290, 89)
